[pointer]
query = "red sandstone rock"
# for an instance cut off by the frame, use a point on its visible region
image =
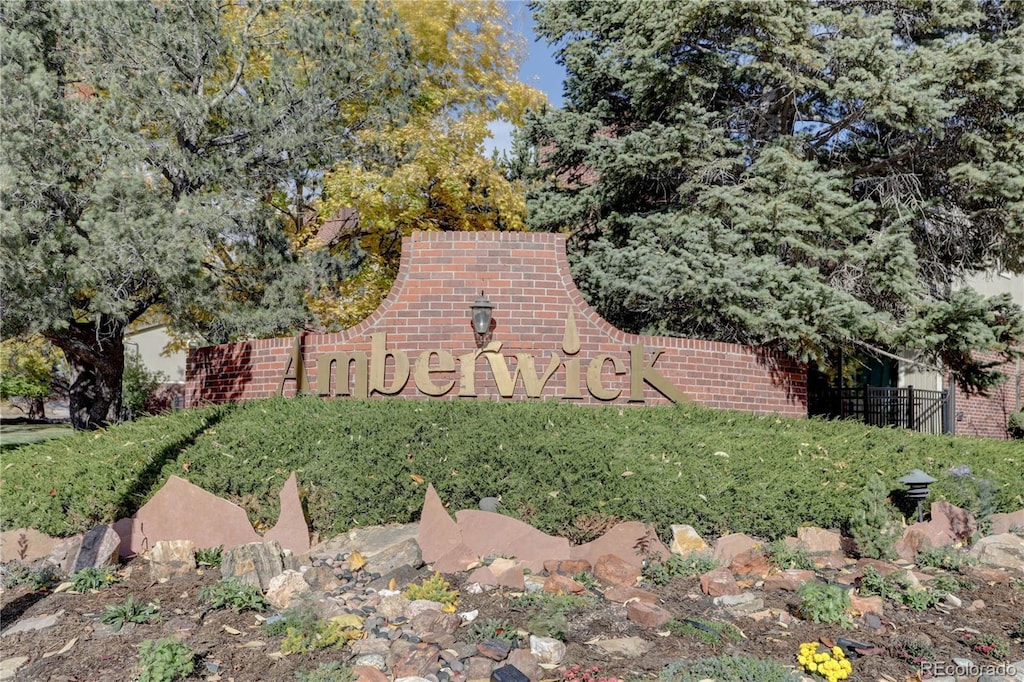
(419, 661)
(862, 605)
(1003, 523)
(569, 567)
(291, 530)
(25, 544)
(562, 584)
(622, 541)
(613, 570)
(182, 511)
(718, 583)
(647, 615)
(438, 533)
(728, 546)
(624, 593)
(789, 580)
(488, 533)
(750, 563)
(882, 567)
(817, 540)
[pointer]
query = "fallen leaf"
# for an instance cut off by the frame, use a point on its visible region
(625, 473)
(231, 631)
(66, 648)
(392, 584)
(254, 644)
(356, 561)
(185, 466)
(416, 478)
(277, 655)
(62, 587)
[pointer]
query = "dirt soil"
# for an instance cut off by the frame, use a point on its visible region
(80, 648)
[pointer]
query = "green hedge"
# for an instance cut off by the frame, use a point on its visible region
(368, 462)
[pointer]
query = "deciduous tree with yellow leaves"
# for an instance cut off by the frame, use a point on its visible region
(432, 171)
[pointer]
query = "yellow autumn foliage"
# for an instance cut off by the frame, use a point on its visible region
(432, 172)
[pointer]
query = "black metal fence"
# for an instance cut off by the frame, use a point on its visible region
(907, 408)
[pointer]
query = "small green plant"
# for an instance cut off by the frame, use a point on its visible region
(875, 524)
(727, 669)
(944, 558)
(945, 583)
(210, 556)
(327, 672)
(549, 623)
(704, 630)
(322, 634)
(301, 617)
(41, 578)
(1015, 425)
(549, 600)
(662, 572)
(434, 588)
(165, 660)
(234, 593)
(492, 628)
(118, 615)
(824, 603)
(586, 579)
(911, 650)
(785, 557)
(92, 578)
(897, 587)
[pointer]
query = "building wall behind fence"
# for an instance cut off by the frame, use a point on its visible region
(988, 415)
(537, 309)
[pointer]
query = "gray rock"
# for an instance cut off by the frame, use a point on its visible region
(630, 647)
(1016, 671)
(36, 624)
(371, 660)
(1004, 551)
(253, 564)
(172, 558)
(99, 548)
(490, 504)
(9, 666)
(403, 576)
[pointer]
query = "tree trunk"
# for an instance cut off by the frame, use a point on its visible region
(95, 353)
(36, 408)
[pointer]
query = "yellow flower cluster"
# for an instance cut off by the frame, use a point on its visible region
(831, 664)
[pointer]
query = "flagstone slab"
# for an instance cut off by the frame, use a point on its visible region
(183, 511)
(622, 541)
(25, 544)
(490, 534)
(291, 530)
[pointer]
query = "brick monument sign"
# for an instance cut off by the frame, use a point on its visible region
(543, 343)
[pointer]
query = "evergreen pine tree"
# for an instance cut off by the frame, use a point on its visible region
(807, 175)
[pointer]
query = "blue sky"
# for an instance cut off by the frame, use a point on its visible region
(538, 69)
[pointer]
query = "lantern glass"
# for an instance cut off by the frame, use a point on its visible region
(481, 314)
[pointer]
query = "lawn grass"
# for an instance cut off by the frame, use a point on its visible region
(14, 435)
(561, 467)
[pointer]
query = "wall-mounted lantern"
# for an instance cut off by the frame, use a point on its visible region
(917, 483)
(482, 319)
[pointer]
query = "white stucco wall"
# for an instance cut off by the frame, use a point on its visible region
(150, 343)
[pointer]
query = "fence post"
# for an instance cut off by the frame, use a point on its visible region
(947, 413)
(910, 409)
(865, 414)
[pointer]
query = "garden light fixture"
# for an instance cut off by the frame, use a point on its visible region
(917, 483)
(482, 319)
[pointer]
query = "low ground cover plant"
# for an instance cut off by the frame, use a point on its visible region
(434, 588)
(92, 578)
(328, 672)
(661, 572)
(37, 578)
(897, 587)
(704, 630)
(712, 469)
(232, 592)
(824, 603)
(164, 660)
(128, 611)
(728, 669)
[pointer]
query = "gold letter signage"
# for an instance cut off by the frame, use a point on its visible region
(437, 372)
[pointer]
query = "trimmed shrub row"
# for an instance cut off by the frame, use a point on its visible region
(563, 468)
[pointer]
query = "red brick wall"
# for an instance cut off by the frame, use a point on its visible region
(987, 416)
(526, 277)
